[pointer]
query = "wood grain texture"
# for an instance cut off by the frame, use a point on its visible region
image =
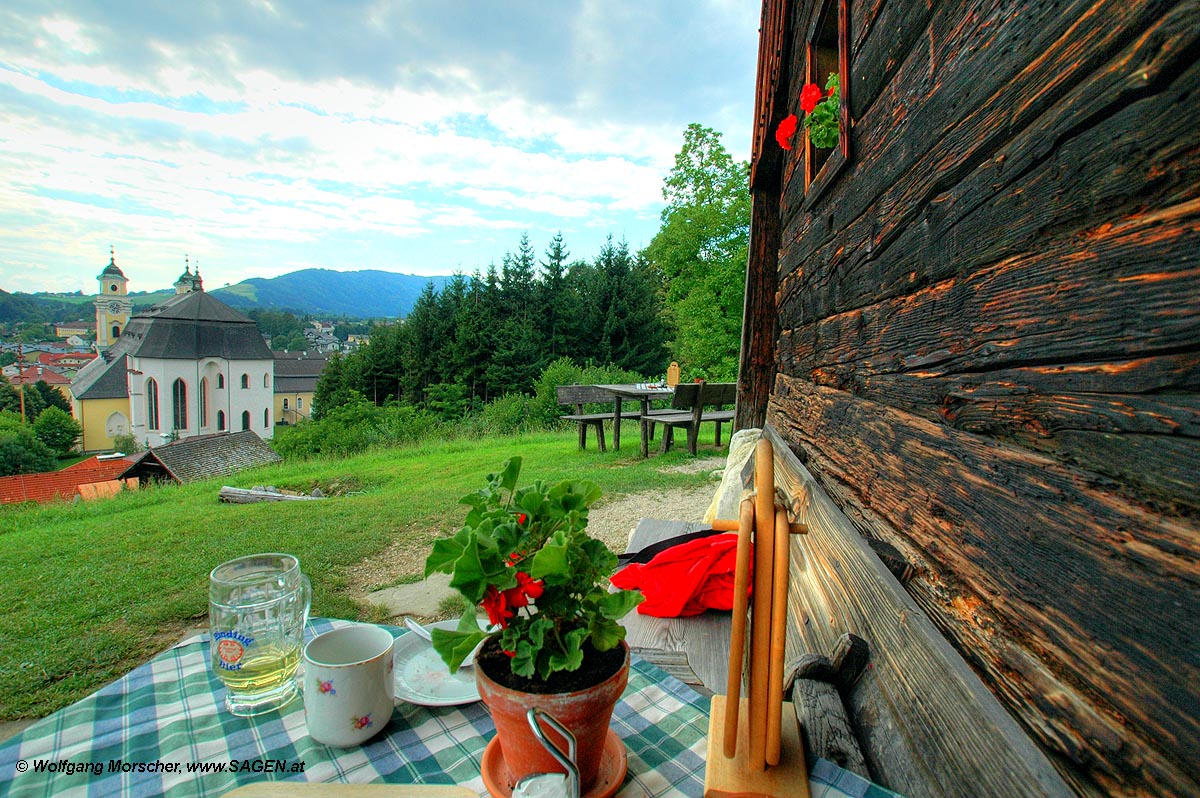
(779, 599)
(824, 725)
(738, 617)
(1067, 599)
(703, 639)
(929, 726)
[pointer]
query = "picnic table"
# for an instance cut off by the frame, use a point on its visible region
(640, 392)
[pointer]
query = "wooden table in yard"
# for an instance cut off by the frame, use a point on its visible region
(643, 393)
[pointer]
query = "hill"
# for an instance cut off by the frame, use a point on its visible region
(323, 292)
(367, 294)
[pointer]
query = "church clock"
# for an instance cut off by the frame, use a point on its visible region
(114, 307)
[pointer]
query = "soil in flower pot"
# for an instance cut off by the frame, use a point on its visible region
(581, 700)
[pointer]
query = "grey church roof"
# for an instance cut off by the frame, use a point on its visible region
(187, 326)
(204, 456)
(298, 373)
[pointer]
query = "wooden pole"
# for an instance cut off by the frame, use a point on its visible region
(760, 640)
(779, 597)
(737, 637)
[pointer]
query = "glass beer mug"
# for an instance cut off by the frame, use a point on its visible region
(257, 608)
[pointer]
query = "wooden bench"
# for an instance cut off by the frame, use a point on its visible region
(688, 411)
(875, 686)
(580, 395)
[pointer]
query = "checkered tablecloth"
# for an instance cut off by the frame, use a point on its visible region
(168, 715)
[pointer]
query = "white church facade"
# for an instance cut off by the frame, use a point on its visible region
(189, 366)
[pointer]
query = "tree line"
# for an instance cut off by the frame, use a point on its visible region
(486, 335)
(491, 334)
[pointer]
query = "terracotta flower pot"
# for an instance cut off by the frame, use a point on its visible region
(586, 713)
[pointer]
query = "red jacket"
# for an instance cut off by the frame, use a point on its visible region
(686, 579)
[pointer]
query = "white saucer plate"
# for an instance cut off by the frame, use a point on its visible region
(422, 678)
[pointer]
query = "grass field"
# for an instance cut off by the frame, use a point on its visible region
(89, 590)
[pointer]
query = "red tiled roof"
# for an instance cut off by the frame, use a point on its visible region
(35, 374)
(62, 484)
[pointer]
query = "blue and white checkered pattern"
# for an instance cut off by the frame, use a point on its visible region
(171, 710)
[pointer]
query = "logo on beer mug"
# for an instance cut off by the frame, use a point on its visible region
(231, 647)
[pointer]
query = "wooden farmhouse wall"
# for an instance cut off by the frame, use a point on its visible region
(982, 334)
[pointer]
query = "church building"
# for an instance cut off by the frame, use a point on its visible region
(189, 366)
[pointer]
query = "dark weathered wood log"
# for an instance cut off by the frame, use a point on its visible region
(926, 723)
(899, 230)
(1026, 561)
(249, 496)
(850, 658)
(824, 727)
(756, 367)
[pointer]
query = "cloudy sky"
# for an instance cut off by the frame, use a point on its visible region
(418, 136)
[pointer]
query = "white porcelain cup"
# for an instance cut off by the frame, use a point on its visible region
(348, 684)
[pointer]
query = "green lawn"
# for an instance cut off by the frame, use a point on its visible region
(89, 590)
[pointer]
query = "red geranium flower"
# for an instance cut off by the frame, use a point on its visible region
(810, 96)
(521, 518)
(496, 604)
(525, 590)
(784, 133)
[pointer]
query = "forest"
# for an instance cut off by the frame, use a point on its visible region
(490, 334)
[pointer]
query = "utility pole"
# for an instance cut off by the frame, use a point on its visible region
(20, 372)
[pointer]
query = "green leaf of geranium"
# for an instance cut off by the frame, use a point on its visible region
(454, 646)
(552, 558)
(617, 605)
(530, 501)
(445, 553)
(510, 471)
(479, 565)
(606, 634)
(572, 657)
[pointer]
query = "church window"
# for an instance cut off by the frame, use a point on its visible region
(203, 402)
(245, 419)
(113, 288)
(220, 381)
(299, 402)
(220, 421)
(266, 380)
(179, 403)
(151, 404)
(245, 380)
(285, 403)
(266, 418)
(116, 331)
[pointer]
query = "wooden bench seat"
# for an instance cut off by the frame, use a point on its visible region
(688, 411)
(876, 688)
(580, 395)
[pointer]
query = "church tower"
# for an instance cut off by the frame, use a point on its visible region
(113, 306)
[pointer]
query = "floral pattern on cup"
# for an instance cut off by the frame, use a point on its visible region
(362, 723)
(325, 687)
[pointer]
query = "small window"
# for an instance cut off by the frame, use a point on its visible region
(245, 419)
(220, 380)
(266, 418)
(245, 380)
(116, 331)
(113, 288)
(266, 380)
(220, 421)
(299, 402)
(827, 52)
(285, 403)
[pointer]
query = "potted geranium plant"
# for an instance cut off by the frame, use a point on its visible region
(524, 556)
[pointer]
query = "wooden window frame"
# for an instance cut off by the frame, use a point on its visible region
(818, 180)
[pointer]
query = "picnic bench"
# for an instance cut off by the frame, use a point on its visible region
(876, 688)
(580, 395)
(688, 411)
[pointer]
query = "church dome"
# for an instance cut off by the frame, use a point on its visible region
(112, 270)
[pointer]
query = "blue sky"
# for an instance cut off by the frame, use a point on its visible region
(417, 136)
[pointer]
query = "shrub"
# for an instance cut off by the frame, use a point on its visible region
(506, 415)
(126, 444)
(544, 408)
(57, 429)
(20, 450)
(355, 427)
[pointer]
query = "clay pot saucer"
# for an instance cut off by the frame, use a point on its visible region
(613, 765)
